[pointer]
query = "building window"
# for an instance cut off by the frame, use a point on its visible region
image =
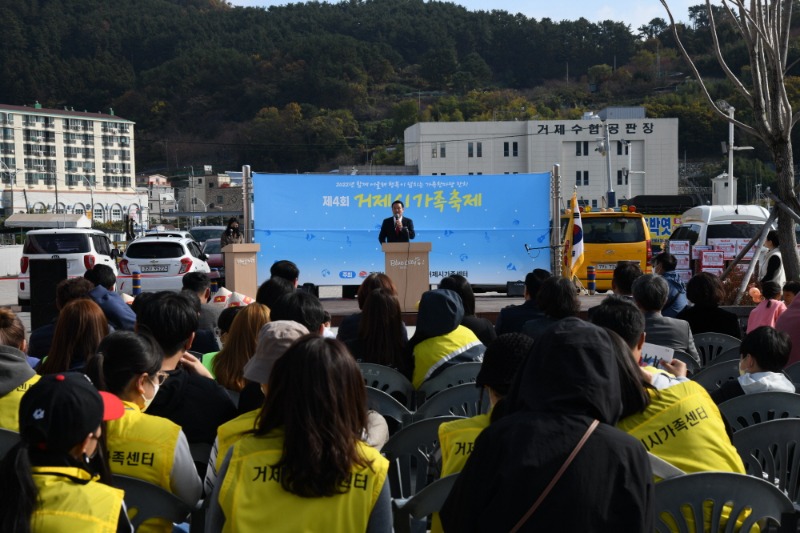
(470, 150)
(594, 204)
(622, 148)
(220, 200)
(581, 177)
(434, 154)
(515, 151)
(582, 148)
(479, 147)
(442, 150)
(622, 177)
(505, 149)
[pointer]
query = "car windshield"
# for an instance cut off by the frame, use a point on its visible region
(201, 235)
(212, 247)
(57, 243)
(154, 250)
(733, 231)
(612, 230)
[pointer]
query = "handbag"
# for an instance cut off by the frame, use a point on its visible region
(558, 475)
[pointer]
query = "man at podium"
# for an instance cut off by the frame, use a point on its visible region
(397, 228)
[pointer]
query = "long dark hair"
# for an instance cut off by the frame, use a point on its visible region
(632, 384)
(12, 330)
(380, 332)
(80, 327)
(240, 346)
(121, 357)
(376, 280)
(316, 395)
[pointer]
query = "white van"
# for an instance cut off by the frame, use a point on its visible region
(82, 248)
(704, 222)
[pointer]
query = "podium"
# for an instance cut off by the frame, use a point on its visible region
(241, 268)
(406, 263)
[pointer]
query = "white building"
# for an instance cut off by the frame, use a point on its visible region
(60, 161)
(648, 147)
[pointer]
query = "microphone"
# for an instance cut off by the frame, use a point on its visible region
(397, 217)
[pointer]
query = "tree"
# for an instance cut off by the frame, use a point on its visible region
(765, 28)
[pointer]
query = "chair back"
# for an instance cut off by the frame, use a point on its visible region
(723, 496)
(414, 456)
(749, 409)
(145, 501)
(8, 439)
(692, 367)
(771, 451)
(390, 381)
(461, 400)
(388, 407)
(449, 377)
(715, 376)
(793, 372)
(713, 346)
(408, 512)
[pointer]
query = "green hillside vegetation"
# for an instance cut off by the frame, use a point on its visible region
(309, 87)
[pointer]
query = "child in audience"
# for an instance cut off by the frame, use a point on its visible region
(764, 352)
(767, 312)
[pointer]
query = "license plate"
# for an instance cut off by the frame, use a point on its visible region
(606, 266)
(155, 268)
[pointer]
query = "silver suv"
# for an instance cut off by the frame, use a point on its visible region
(161, 261)
(82, 248)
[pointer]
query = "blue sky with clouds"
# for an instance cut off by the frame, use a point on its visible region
(633, 12)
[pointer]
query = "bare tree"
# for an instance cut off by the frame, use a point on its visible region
(764, 25)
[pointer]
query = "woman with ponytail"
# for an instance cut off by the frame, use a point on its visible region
(54, 479)
(17, 375)
(128, 365)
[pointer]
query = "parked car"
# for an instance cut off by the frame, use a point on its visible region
(216, 259)
(170, 233)
(162, 261)
(81, 247)
(699, 224)
(202, 233)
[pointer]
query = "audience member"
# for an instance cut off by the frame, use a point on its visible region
(275, 338)
(789, 323)
(481, 327)
(664, 265)
(348, 328)
(767, 312)
(228, 364)
(679, 424)
(16, 374)
(650, 293)
(790, 290)
(625, 273)
(770, 262)
(80, 328)
(557, 298)
(285, 269)
(224, 323)
(440, 340)
(205, 340)
(568, 380)
(67, 290)
(119, 314)
(128, 365)
(56, 478)
(764, 352)
(381, 334)
(271, 290)
(326, 326)
(189, 397)
(311, 424)
(200, 284)
(621, 316)
(705, 291)
(513, 317)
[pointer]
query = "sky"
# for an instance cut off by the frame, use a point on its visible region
(633, 12)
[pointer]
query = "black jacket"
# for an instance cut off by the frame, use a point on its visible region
(388, 234)
(568, 379)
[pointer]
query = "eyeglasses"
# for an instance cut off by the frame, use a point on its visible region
(159, 378)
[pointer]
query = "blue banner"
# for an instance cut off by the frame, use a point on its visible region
(489, 228)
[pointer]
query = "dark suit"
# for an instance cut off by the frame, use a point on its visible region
(388, 233)
(670, 332)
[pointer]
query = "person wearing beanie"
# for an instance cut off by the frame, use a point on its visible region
(56, 477)
(440, 340)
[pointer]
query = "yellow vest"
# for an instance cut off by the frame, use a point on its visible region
(9, 405)
(233, 430)
(143, 446)
(252, 499)
(431, 354)
(683, 426)
(68, 507)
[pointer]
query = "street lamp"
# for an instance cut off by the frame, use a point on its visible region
(728, 108)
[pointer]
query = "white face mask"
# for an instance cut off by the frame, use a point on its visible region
(147, 402)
